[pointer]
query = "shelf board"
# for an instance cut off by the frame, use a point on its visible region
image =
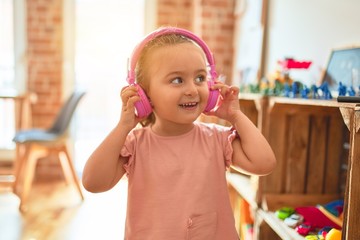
(281, 229)
(242, 184)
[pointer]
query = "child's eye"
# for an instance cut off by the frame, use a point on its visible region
(177, 80)
(200, 79)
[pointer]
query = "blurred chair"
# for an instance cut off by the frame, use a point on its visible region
(32, 144)
(20, 106)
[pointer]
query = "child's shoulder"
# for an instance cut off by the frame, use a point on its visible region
(211, 127)
(140, 131)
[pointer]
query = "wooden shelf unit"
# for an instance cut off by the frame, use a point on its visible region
(308, 138)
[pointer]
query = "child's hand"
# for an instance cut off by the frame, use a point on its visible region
(129, 96)
(228, 105)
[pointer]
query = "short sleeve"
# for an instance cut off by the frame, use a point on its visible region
(128, 150)
(228, 152)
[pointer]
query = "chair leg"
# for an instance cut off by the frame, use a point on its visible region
(22, 150)
(67, 165)
(30, 159)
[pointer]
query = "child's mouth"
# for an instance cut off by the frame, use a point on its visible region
(188, 105)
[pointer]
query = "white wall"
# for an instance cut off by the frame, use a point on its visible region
(309, 30)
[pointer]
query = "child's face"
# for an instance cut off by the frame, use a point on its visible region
(178, 87)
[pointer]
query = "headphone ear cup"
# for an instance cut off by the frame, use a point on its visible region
(213, 97)
(143, 107)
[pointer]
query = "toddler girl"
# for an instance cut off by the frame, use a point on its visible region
(176, 165)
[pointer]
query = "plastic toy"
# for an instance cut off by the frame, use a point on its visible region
(335, 207)
(284, 212)
(351, 91)
(333, 211)
(341, 89)
(314, 237)
(304, 228)
(324, 231)
(316, 217)
(290, 63)
(326, 94)
(333, 234)
(294, 220)
(305, 92)
(315, 91)
(282, 72)
(286, 90)
(295, 89)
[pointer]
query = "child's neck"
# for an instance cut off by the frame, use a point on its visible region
(171, 129)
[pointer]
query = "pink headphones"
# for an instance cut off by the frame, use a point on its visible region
(143, 106)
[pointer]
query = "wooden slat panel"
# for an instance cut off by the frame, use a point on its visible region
(297, 109)
(317, 154)
(334, 154)
(277, 139)
(248, 107)
(297, 154)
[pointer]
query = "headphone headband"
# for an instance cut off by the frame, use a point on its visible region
(166, 31)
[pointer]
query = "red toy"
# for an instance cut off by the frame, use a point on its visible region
(316, 218)
(304, 228)
(290, 63)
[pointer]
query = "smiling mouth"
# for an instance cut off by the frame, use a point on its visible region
(188, 105)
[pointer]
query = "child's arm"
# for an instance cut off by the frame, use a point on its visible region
(104, 167)
(251, 151)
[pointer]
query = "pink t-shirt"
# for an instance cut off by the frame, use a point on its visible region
(177, 186)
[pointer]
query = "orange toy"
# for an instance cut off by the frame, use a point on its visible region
(333, 234)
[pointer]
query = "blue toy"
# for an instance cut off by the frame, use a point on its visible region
(342, 89)
(325, 90)
(351, 91)
(295, 89)
(286, 90)
(315, 91)
(305, 92)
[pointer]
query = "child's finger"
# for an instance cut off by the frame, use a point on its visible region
(128, 108)
(128, 92)
(132, 100)
(235, 90)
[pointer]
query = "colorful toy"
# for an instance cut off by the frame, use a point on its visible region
(290, 63)
(351, 91)
(341, 89)
(333, 234)
(305, 92)
(324, 231)
(304, 228)
(286, 90)
(294, 220)
(333, 211)
(316, 218)
(314, 237)
(295, 89)
(315, 91)
(326, 94)
(335, 207)
(282, 72)
(284, 212)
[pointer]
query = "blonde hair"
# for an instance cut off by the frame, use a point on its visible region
(141, 74)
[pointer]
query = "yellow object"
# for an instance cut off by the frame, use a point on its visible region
(333, 234)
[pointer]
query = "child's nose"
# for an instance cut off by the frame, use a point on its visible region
(191, 88)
